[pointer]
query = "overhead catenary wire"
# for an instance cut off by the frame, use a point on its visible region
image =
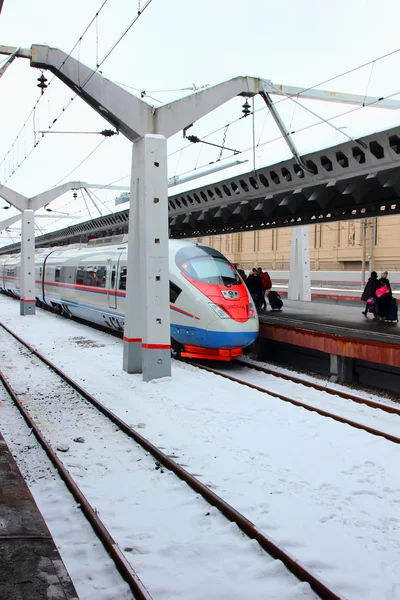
(307, 89)
(52, 79)
(326, 121)
(82, 162)
(108, 53)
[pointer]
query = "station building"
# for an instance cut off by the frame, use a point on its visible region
(336, 246)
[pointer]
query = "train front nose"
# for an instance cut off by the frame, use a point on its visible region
(223, 341)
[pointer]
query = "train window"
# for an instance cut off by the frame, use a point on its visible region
(101, 276)
(90, 276)
(113, 275)
(174, 292)
(206, 265)
(57, 274)
(80, 276)
(122, 279)
(95, 276)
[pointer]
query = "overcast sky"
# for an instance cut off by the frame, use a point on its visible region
(173, 45)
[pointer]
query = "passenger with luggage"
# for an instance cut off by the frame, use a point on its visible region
(368, 295)
(254, 286)
(386, 304)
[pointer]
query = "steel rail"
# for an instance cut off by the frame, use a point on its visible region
(126, 570)
(320, 388)
(320, 411)
(245, 525)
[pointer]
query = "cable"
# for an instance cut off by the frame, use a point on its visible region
(108, 53)
(81, 163)
(48, 85)
(344, 73)
(123, 34)
(326, 121)
(305, 128)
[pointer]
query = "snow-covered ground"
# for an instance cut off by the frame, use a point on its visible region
(371, 417)
(179, 545)
(327, 492)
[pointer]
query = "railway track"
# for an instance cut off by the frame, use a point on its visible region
(161, 461)
(321, 388)
(236, 376)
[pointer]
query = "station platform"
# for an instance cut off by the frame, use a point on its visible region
(340, 331)
(31, 566)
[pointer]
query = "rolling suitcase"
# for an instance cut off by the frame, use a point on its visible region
(392, 313)
(275, 300)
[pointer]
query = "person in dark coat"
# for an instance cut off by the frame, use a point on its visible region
(266, 285)
(384, 302)
(369, 292)
(254, 286)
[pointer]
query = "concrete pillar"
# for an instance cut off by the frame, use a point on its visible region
(300, 277)
(153, 218)
(132, 349)
(341, 369)
(147, 319)
(27, 279)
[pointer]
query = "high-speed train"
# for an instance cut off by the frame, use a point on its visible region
(212, 313)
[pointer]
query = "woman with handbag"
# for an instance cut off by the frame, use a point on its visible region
(384, 297)
(368, 295)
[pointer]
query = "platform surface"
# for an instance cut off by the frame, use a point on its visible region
(333, 319)
(30, 565)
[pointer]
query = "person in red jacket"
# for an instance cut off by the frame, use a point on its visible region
(266, 285)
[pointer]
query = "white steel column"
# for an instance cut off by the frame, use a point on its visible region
(27, 279)
(154, 280)
(299, 277)
(132, 355)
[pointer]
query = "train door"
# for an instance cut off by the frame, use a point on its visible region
(114, 275)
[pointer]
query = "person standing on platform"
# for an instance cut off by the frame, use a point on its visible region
(266, 285)
(368, 295)
(384, 297)
(255, 288)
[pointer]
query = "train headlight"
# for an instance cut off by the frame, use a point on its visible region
(221, 313)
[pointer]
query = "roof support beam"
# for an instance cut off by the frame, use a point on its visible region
(327, 96)
(282, 128)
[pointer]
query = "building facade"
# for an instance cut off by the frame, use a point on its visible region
(337, 246)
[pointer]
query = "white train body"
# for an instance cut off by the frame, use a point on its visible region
(212, 313)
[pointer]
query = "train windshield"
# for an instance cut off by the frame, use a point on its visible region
(206, 265)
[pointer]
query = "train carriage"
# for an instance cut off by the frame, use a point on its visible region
(212, 313)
